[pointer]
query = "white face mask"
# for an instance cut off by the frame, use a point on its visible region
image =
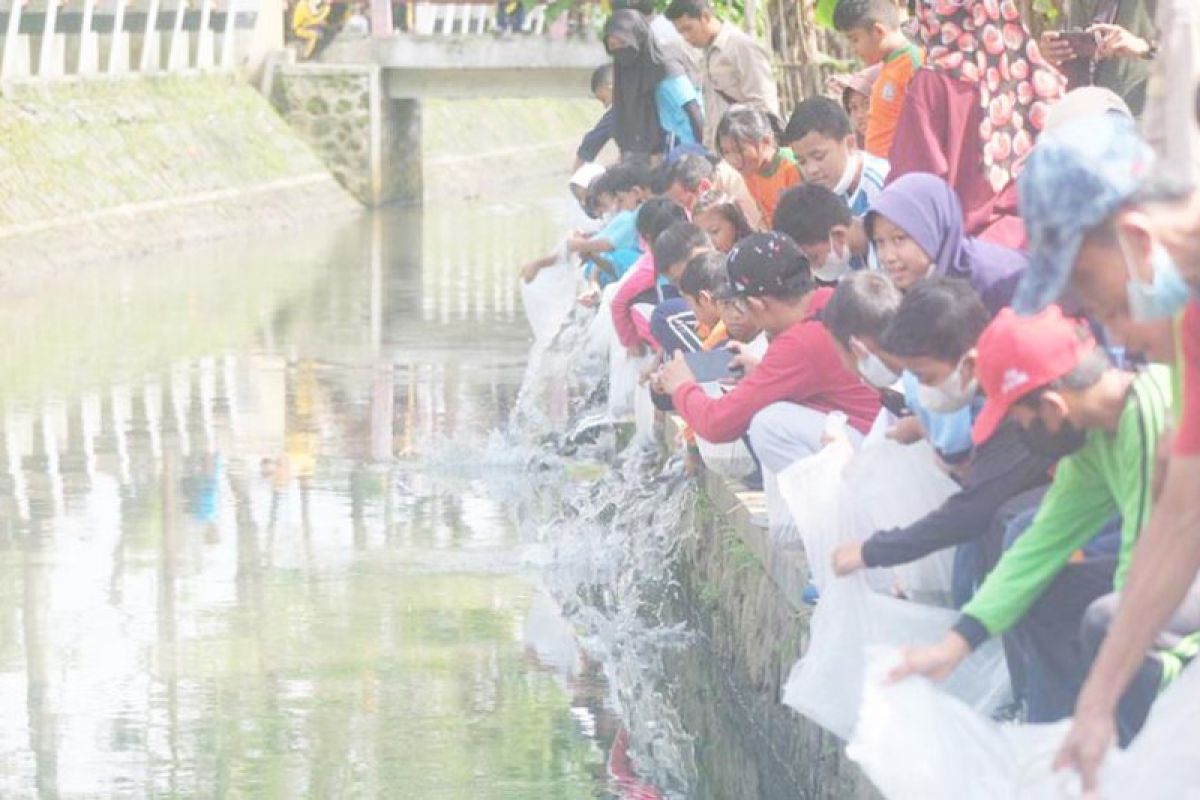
(848, 174)
(1164, 297)
(836, 263)
(950, 396)
(871, 367)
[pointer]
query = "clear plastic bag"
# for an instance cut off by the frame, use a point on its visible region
(915, 741)
(548, 299)
(828, 501)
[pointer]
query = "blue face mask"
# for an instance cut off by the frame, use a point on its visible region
(1164, 297)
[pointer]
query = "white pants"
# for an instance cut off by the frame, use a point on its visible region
(782, 434)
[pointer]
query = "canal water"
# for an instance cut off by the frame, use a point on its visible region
(262, 533)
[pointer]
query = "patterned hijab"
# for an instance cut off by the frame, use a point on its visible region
(985, 43)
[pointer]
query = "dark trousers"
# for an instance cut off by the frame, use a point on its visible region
(1044, 651)
(1143, 689)
(673, 326)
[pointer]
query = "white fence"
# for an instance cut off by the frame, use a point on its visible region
(449, 19)
(43, 39)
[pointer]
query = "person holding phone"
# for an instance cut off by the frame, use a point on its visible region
(1109, 43)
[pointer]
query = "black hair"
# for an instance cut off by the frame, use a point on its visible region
(727, 207)
(643, 6)
(629, 174)
(704, 272)
(744, 123)
(939, 318)
(660, 179)
(863, 304)
(687, 8)
(602, 76)
(770, 265)
(821, 115)
(851, 14)
(808, 212)
(656, 215)
(676, 244)
(689, 171)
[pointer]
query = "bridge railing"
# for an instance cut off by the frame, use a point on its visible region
(457, 19)
(51, 39)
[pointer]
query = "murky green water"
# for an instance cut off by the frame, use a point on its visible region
(224, 571)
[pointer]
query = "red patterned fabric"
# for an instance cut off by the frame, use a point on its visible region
(985, 43)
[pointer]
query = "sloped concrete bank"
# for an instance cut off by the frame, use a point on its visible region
(97, 169)
(743, 595)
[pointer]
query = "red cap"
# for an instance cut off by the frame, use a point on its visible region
(1020, 354)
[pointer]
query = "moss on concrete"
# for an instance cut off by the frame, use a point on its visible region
(93, 168)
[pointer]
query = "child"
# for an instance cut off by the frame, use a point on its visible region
(310, 24)
(613, 249)
(594, 140)
(634, 301)
(719, 216)
(916, 225)
(673, 325)
(699, 283)
(832, 240)
(873, 28)
(819, 135)
(854, 92)
(747, 142)
(593, 197)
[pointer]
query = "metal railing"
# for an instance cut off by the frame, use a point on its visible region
(42, 39)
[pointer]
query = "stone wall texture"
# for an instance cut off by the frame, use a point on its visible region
(107, 168)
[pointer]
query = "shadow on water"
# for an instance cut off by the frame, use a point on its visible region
(259, 536)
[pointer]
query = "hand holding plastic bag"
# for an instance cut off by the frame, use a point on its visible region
(914, 740)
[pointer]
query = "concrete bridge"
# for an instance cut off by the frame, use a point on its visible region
(376, 86)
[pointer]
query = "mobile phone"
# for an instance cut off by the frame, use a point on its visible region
(710, 365)
(1081, 41)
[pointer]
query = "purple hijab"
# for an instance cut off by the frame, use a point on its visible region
(927, 209)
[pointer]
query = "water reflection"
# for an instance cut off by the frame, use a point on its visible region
(223, 571)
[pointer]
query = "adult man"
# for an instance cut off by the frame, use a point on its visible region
(693, 174)
(1092, 227)
(734, 67)
(1048, 375)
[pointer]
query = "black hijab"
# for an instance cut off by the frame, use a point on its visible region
(639, 66)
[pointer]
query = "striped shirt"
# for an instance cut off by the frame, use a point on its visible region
(870, 184)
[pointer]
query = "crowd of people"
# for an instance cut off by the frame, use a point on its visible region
(967, 243)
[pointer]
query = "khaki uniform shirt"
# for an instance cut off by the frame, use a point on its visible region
(736, 69)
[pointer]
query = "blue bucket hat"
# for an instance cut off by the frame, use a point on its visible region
(1076, 177)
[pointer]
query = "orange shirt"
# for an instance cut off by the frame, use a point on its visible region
(766, 185)
(887, 97)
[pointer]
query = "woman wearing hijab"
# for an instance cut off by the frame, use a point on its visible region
(973, 112)
(916, 225)
(656, 104)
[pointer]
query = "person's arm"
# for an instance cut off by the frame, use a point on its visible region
(1001, 469)
(725, 418)
(595, 139)
(622, 304)
(1165, 563)
(1073, 510)
(696, 118)
(589, 244)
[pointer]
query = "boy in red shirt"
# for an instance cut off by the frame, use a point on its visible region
(784, 399)
(873, 28)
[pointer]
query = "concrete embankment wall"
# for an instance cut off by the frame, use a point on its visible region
(97, 169)
(744, 595)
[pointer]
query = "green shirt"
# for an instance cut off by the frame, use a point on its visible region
(1111, 475)
(1125, 76)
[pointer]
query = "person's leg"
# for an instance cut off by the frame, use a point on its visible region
(673, 325)
(783, 433)
(1047, 638)
(1173, 648)
(309, 37)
